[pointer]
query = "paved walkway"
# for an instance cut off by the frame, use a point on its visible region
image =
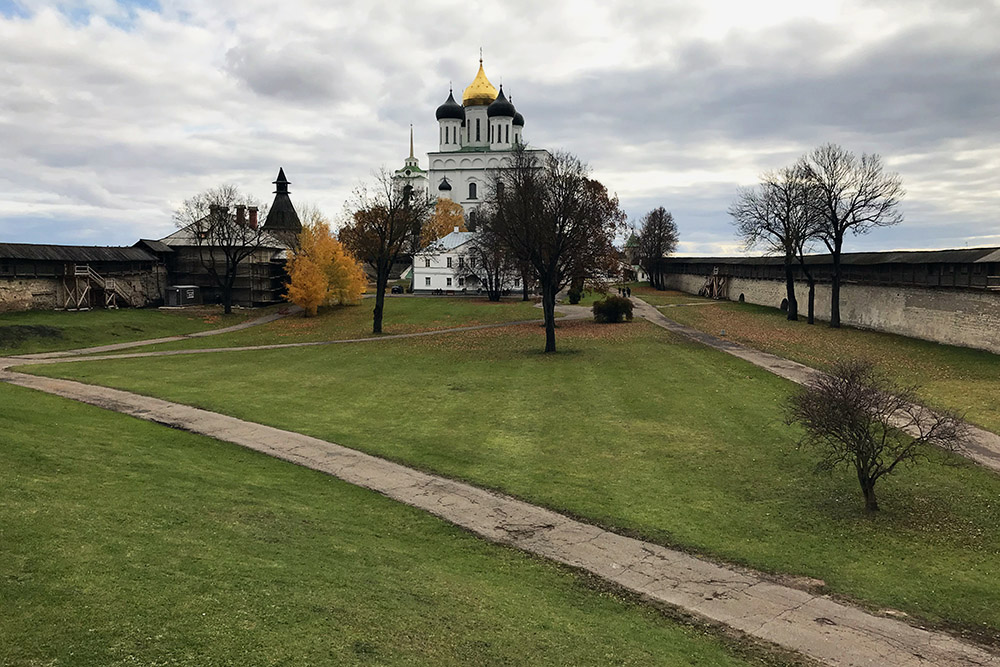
(983, 448)
(814, 625)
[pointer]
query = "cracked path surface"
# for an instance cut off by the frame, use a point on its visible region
(983, 448)
(814, 625)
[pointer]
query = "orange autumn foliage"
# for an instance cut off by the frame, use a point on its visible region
(447, 215)
(321, 272)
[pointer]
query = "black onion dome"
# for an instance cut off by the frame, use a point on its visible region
(450, 109)
(518, 119)
(445, 185)
(500, 107)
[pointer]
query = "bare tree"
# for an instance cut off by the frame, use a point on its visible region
(777, 217)
(222, 223)
(554, 220)
(851, 195)
(657, 239)
(386, 222)
(858, 417)
(488, 258)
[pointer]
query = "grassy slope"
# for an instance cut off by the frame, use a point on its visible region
(402, 315)
(63, 330)
(629, 427)
(124, 542)
(959, 378)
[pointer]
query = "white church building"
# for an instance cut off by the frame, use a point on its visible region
(474, 138)
(447, 267)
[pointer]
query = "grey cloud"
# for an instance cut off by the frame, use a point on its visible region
(299, 72)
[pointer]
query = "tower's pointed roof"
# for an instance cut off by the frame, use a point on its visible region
(282, 221)
(480, 92)
(281, 181)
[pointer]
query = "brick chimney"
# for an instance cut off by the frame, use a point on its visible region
(253, 217)
(241, 215)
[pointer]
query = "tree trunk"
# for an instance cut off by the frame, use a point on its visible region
(868, 489)
(381, 280)
(227, 294)
(793, 304)
(524, 287)
(835, 291)
(812, 301)
(549, 311)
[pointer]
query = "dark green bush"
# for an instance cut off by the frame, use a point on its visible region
(575, 295)
(612, 309)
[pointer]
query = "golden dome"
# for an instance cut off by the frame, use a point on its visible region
(480, 92)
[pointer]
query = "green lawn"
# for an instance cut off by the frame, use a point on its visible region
(49, 330)
(657, 297)
(125, 542)
(629, 427)
(402, 315)
(590, 297)
(959, 378)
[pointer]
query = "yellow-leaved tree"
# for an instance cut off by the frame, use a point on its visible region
(447, 215)
(321, 272)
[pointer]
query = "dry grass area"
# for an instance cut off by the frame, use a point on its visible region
(958, 378)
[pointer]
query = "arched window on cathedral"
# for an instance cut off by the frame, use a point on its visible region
(472, 190)
(506, 134)
(477, 130)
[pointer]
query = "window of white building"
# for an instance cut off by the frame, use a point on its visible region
(427, 281)
(449, 262)
(427, 262)
(472, 190)
(448, 282)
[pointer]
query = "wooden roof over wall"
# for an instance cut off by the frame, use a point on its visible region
(82, 254)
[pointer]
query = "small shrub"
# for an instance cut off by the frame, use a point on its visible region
(612, 309)
(575, 295)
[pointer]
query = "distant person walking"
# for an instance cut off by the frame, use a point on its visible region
(628, 292)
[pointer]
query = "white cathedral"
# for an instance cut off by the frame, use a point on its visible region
(474, 138)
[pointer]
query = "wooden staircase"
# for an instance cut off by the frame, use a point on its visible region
(82, 281)
(715, 286)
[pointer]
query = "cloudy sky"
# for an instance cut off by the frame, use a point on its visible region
(113, 112)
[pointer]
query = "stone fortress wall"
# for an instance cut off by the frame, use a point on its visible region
(966, 317)
(49, 293)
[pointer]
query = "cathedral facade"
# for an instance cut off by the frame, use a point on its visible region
(474, 138)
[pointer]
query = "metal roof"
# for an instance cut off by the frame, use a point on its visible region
(73, 253)
(154, 246)
(449, 241)
(185, 236)
(958, 256)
